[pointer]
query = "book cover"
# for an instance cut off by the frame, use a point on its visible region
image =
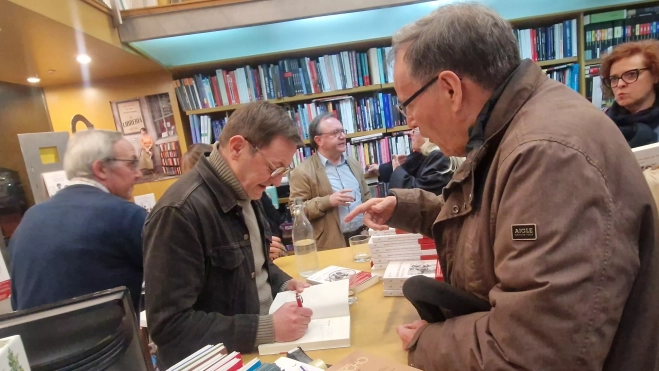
(12, 354)
(358, 280)
(647, 156)
(401, 271)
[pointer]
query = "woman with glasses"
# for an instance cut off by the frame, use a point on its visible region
(631, 74)
(425, 168)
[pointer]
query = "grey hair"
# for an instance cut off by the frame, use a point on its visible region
(455, 162)
(467, 38)
(85, 148)
(314, 128)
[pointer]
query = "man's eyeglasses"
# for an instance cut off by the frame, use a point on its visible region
(402, 107)
(628, 76)
(335, 133)
(132, 164)
(276, 171)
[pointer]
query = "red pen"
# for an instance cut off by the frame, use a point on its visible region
(298, 298)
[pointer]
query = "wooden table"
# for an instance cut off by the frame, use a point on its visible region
(374, 318)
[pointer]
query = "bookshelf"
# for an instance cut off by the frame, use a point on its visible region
(298, 98)
(555, 62)
(556, 42)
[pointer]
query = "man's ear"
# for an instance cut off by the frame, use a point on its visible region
(100, 169)
(452, 88)
(236, 144)
(317, 139)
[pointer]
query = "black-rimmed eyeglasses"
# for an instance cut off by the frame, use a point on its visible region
(628, 76)
(276, 171)
(402, 107)
(335, 133)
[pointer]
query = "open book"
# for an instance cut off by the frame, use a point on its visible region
(330, 323)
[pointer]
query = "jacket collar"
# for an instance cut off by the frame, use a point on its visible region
(324, 160)
(225, 195)
(498, 111)
(493, 123)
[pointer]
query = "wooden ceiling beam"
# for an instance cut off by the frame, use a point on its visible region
(227, 14)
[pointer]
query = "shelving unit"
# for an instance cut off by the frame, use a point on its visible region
(557, 62)
(299, 98)
(590, 62)
(540, 24)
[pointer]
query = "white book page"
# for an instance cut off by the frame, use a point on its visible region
(326, 301)
(326, 333)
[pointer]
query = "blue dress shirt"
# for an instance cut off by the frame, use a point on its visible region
(341, 177)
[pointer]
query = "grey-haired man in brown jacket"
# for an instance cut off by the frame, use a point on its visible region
(549, 221)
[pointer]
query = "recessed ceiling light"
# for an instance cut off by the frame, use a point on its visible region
(83, 59)
(33, 80)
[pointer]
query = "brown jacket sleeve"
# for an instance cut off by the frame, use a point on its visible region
(416, 210)
(300, 186)
(560, 297)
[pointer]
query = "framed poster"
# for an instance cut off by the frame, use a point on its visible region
(130, 116)
(147, 122)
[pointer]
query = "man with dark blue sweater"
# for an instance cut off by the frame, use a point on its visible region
(88, 237)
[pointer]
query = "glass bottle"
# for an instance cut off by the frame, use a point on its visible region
(304, 243)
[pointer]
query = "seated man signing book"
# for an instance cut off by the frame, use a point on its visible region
(546, 234)
(208, 276)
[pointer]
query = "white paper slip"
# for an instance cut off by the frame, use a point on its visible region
(290, 364)
(330, 322)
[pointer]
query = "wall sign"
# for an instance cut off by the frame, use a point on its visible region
(130, 116)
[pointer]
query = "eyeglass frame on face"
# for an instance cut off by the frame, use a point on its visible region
(281, 170)
(608, 81)
(334, 133)
(132, 164)
(403, 106)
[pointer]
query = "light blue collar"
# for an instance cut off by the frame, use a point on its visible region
(324, 160)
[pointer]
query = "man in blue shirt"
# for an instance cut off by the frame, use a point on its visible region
(87, 237)
(331, 184)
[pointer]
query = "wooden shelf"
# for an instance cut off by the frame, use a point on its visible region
(335, 93)
(365, 133)
(556, 62)
(398, 128)
(298, 98)
(283, 200)
(590, 62)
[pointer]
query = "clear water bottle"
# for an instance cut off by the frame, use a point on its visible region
(304, 243)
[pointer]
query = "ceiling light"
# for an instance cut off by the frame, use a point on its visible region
(33, 80)
(83, 59)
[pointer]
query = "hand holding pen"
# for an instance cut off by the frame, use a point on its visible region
(291, 320)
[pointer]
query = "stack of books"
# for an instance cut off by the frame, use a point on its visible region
(358, 280)
(215, 358)
(399, 246)
(398, 272)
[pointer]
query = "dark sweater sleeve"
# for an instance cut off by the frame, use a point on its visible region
(271, 215)
(171, 295)
(432, 175)
(133, 218)
(385, 172)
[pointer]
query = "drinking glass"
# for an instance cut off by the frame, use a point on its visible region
(361, 253)
(346, 274)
